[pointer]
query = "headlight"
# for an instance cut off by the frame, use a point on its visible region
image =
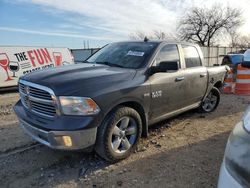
(78, 106)
(246, 119)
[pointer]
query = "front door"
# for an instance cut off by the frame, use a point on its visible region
(167, 88)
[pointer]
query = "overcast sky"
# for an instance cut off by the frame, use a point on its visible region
(70, 23)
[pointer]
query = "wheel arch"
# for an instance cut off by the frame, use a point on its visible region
(218, 84)
(139, 108)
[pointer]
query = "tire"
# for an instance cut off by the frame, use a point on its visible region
(210, 103)
(119, 134)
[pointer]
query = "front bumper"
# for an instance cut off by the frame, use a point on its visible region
(61, 132)
(76, 140)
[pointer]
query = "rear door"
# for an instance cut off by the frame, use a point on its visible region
(195, 74)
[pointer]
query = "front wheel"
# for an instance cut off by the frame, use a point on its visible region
(119, 133)
(211, 102)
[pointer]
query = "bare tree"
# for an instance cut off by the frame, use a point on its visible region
(234, 36)
(244, 42)
(240, 41)
(138, 35)
(203, 25)
(159, 35)
(154, 35)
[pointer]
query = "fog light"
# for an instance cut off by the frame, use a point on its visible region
(67, 141)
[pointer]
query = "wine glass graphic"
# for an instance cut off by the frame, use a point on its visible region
(14, 67)
(4, 63)
(58, 58)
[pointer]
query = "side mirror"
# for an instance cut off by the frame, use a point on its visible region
(166, 66)
(246, 59)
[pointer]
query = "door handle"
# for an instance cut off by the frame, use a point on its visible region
(203, 75)
(178, 79)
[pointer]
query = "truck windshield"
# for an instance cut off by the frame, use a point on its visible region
(124, 54)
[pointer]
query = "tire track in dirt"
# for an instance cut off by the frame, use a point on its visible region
(30, 161)
(18, 150)
(12, 136)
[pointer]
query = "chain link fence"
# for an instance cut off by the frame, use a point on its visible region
(214, 55)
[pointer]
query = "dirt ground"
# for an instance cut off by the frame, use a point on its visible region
(185, 151)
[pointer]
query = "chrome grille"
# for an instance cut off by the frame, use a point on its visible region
(39, 93)
(37, 99)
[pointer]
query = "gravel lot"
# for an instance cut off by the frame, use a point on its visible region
(185, 151)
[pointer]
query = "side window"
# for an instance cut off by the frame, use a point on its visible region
(191, 55)
(168, 53)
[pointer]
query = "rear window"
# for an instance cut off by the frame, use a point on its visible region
(125, 54)
(191, 55)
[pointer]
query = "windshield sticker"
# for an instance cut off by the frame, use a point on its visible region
(135, 53)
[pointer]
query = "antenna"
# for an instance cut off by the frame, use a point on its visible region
(145, 39)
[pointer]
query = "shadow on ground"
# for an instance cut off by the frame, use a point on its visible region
(8, 90)
(194, 165)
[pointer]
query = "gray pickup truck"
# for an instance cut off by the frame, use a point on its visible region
(108, 102)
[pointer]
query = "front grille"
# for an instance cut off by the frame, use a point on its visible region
(37, 99)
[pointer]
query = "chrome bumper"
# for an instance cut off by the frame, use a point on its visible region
(55, 139)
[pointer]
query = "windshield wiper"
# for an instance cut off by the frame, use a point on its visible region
(109, 64)
(85, 61)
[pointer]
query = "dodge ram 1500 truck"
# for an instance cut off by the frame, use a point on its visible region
(108, 102)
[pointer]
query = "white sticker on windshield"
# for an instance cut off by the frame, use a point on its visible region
(135, 53)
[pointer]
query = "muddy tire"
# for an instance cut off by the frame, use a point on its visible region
(119, 134)
(211, 102)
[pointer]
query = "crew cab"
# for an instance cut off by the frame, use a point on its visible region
(108, 102)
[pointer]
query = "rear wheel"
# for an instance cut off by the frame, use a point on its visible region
(211, 101)
(119, 134)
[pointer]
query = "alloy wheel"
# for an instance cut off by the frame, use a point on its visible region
(124, 135)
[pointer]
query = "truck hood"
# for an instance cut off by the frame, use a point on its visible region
(81, 79)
